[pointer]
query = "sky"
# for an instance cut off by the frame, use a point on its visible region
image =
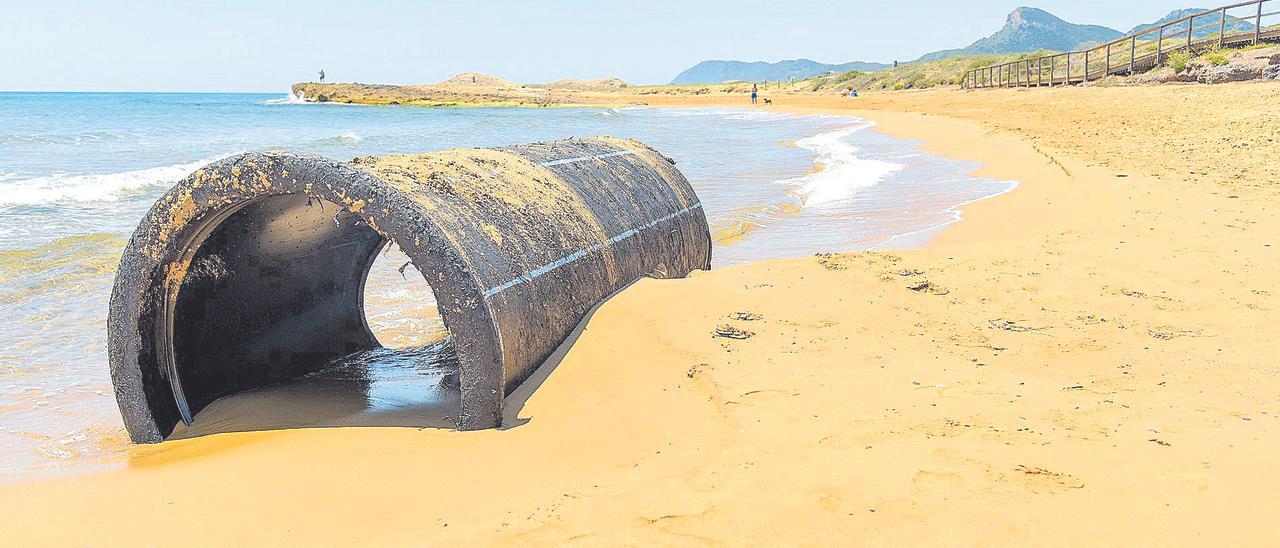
(264, 46)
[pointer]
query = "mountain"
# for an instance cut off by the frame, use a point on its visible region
(1031, 29)
(714, 72)
(1209, 22)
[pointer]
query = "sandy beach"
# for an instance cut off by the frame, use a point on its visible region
(1084, 359)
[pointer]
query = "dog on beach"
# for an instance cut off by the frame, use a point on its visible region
(768, 101)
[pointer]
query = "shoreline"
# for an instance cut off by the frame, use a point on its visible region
(1077, 361)
(112, 457)
(742, 230)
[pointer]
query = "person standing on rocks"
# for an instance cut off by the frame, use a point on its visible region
(322, 75)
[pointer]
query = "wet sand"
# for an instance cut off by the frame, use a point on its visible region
(1087, 358)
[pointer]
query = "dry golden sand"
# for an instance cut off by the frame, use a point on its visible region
(1092, 359)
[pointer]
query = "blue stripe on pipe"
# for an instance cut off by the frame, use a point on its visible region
(529, 276)
(585, 158)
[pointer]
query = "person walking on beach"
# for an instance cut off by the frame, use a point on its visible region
(322, 75)
(754, 93)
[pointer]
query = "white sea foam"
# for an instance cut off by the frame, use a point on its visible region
(345, 138)
(290, 99)
(93, 187)
(843, 173)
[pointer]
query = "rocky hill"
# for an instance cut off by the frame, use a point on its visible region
(1210, 23)
(1032, 29)
(714, 72)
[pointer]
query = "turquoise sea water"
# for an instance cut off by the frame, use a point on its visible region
(78, 170)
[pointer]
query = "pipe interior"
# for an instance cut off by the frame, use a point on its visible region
(275, 292)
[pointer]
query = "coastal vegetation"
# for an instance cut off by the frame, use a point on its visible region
(476, 90)
(917, 75)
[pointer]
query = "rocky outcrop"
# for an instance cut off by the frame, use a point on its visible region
(1240, 66)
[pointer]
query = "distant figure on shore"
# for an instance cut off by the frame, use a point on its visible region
(754, 93)
(322, 75)
(895, 64)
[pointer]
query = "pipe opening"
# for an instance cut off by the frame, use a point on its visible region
(269, 327)
(252, 276)
(399, 305)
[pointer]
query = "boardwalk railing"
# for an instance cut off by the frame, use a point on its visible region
(1240, 24)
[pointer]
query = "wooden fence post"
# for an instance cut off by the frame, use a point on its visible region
(1133, 52)
(1190, 29)
(1107, 71)
(1257, 25)
(1159, 47)
(1222, 26)
(1086, 65)
(1068, 69)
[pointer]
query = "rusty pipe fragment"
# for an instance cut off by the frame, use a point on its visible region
(251, 270)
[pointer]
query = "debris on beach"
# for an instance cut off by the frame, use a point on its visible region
(1011, 325)
(833, 261)
(926, 286)
(1048, 480)
(746, 316)
(730, 332)
(1166, 333)
(695, 370)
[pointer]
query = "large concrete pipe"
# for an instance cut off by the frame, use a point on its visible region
(251, 270)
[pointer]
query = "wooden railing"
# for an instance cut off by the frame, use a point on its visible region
(1136, 52)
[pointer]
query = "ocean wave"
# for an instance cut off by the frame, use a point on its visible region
(290, 99)
(62, 139)
(347, 138)
(93, 187)
(728, 113)
(842, 171)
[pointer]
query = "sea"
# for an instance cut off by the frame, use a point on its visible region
(79, 170)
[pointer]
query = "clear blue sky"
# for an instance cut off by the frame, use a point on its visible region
(264, 46)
